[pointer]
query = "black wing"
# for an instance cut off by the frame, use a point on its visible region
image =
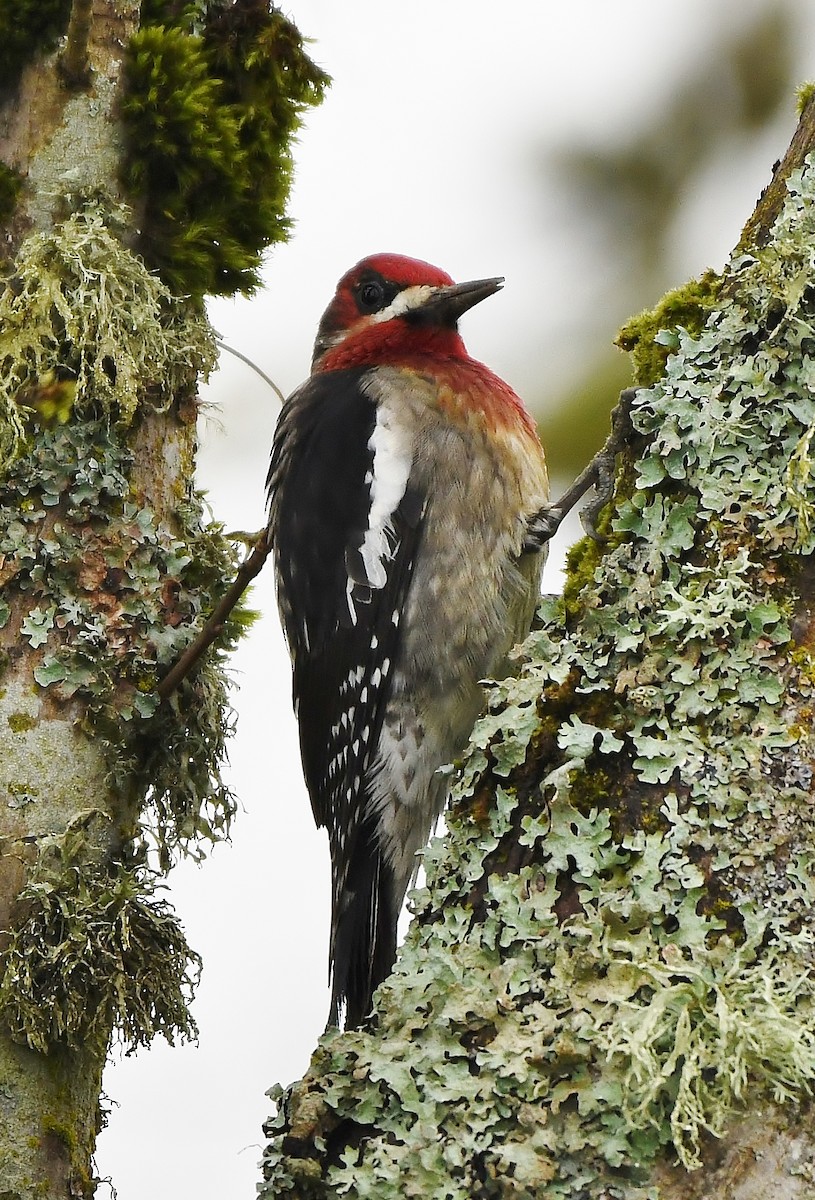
(343, 632)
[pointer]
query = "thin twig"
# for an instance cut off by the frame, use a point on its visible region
(237, 354)
(74, 62)
(599, 474)
(247, 571)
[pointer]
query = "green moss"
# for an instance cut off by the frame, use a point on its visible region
(614, 789)
(50, 401)
(213, 99)
(93, 347)
(61, 1130)
(126, 596)
(65, 1122)
(17, 788)
(654, 334)
(21, 722)
(803, 95)
(10, 184)
(28, 27)
(582, 560)
(35, 1190)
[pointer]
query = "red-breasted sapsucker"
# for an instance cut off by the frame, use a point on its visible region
(404, 483)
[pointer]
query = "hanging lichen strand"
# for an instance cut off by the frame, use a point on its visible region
(627, 935)
(215, 94)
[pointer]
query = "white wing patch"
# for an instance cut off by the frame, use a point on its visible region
(392, 459)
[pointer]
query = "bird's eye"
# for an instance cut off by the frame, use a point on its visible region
(371, 295)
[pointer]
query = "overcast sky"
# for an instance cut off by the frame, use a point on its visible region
(431, 143)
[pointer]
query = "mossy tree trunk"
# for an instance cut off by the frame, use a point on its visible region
(607, 990)
(115, 226)
(53, 774)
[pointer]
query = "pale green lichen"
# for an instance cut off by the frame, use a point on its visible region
(595, 981)
(94, 948)
(125, 594)
(108, 590)
(115, 595)
(730, 1023)
(79, 307)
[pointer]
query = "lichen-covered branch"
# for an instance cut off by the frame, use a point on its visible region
(607, 990)
(108, 566)
(758, 229)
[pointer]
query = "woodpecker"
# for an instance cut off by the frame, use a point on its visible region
(404, 484)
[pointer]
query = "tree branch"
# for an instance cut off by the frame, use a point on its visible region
(74, 63)
(756, 232)
(598, 474)
(251, 567)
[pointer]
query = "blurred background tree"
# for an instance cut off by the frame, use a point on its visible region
(626, 200)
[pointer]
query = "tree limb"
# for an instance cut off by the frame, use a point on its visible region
(215, 622)
(74, 62)
(598, 474)
(758, 228)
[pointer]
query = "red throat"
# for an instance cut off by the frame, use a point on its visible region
(466, 386)
(392, 343)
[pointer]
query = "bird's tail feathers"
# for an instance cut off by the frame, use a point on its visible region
(363, 934)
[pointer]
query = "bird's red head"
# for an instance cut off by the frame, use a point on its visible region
(389, 308)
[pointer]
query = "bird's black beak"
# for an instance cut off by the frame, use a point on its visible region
(447, 304)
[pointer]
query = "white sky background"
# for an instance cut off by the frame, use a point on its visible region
(429, 143)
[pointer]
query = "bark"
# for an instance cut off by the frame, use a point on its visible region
(607, 989)
(107, 569)
(53, 775)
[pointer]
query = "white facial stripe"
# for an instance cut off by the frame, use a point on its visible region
(404, 301)
(393, 457)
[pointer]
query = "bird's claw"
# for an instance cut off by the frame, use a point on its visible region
(599, 474)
